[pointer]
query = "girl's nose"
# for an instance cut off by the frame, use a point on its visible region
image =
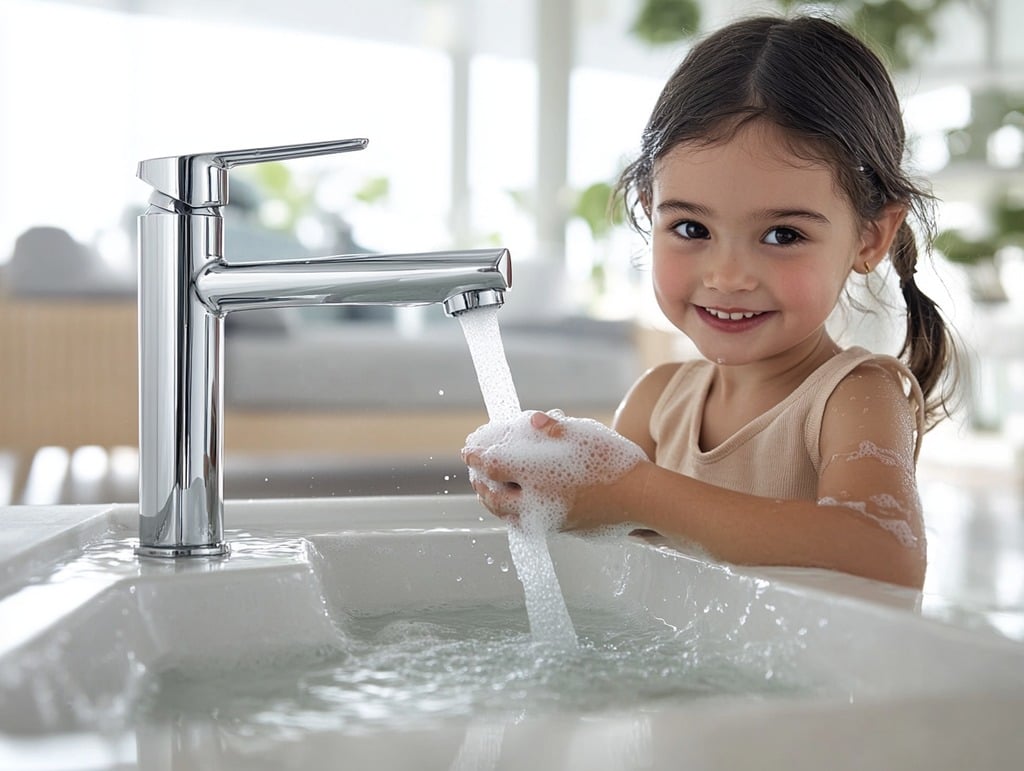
(729, 271)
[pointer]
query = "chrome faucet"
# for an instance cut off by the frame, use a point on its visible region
(186, 287)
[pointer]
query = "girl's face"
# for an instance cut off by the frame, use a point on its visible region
(751, 246)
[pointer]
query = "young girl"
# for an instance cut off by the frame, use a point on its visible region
(770, 171)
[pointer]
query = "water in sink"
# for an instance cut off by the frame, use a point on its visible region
(402, 671)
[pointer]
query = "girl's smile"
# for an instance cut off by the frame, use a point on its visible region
(732, 320)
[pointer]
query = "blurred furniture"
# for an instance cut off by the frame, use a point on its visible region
(67, 373)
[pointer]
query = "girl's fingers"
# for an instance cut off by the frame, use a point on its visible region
(487, 467)
(499, 500)
(548, 424)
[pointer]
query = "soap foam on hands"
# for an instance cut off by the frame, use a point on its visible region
(585, 452)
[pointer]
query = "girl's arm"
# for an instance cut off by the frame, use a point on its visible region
(867, 519)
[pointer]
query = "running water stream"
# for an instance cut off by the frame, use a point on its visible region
(527, 539)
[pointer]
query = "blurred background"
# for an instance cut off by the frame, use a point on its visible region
(490, 123)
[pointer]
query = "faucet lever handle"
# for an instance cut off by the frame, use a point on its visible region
(201, 179)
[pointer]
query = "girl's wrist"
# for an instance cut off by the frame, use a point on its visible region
(617, 502)
(636, 503)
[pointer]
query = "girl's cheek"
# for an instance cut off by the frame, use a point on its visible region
(670, 278)
(798, 291)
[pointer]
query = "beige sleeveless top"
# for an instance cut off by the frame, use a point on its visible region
(776, 455)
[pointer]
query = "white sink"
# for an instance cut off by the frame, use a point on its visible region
(851, 677)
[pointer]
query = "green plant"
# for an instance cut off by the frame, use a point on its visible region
(597, 206)
(1005, 217)
(602, 211)
(899, 28)
(374, 190)
(666, 21)
(958, 248)
(295, 196)
(277, 182)
(1008, 219)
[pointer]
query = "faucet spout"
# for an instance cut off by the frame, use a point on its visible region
(187, 287)
(360, 279)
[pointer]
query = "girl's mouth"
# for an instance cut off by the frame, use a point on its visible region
(732, 315)
(732, 320)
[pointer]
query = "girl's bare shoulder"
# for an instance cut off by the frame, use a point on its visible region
(633, 417)
(877, 402)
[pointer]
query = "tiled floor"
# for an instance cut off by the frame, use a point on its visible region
(972, 487)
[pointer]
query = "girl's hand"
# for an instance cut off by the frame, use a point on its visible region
(495, 477)
(547, 465)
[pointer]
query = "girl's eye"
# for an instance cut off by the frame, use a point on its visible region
(782, 237)
(691, 229)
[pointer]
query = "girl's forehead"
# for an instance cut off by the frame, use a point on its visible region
(757, 145)
(753, 166)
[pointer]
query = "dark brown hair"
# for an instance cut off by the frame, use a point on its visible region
(833, 98)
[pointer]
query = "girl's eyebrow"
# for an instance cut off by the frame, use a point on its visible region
(675, 206)
(807, 214)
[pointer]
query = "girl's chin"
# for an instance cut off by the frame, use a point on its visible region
(726, 355)
(726, 360)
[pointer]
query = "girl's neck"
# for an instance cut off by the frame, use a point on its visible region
(779, 374)
(741, 393)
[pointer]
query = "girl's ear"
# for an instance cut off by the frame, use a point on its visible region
(877, 238)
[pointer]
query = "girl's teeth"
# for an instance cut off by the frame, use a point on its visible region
(736, 316)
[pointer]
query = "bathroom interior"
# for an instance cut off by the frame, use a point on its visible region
(490, 126)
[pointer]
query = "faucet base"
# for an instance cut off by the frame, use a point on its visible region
(208, 550)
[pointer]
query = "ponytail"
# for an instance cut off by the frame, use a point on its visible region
(928, 347)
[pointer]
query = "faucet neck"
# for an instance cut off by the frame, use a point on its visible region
(180, 389)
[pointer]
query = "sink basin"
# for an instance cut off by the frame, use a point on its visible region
(390, 633)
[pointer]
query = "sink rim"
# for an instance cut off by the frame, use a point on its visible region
(60, 531)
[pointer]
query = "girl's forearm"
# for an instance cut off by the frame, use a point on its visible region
(752, 530)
